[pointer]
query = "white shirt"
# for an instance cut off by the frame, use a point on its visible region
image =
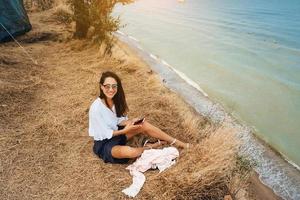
(160, 158)
(103, 121)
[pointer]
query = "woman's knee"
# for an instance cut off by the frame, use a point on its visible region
(134, 152)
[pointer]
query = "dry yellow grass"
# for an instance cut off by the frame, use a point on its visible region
(45, 149)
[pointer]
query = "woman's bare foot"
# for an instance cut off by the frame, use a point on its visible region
(180, 144)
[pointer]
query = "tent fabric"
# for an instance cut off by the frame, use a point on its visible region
(14, 18)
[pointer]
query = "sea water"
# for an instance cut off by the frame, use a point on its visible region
(245, 54)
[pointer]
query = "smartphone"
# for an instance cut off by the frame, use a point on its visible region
(139, 121)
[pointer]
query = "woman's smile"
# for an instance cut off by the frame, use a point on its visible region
(110, 87)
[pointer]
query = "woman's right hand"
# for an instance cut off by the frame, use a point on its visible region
(131, 127)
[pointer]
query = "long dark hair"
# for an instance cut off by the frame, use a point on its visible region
(119, 98)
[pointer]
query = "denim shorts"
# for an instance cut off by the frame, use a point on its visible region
(102, 148)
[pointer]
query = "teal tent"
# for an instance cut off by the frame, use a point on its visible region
(13, 19)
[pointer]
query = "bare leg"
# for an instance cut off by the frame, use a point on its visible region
(126, 151)
(155, 132)
(119, 151)
(159, 134)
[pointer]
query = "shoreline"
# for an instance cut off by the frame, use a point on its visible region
(257, 190)
(256, 181)
(197, 87)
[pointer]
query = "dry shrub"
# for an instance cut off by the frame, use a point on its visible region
(97, 14)
(202, 172)
(241, 174)
(63, 14)
(39, 4)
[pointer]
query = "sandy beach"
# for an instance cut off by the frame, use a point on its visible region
(45, 149)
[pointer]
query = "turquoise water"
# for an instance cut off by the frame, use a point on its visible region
(244, 54)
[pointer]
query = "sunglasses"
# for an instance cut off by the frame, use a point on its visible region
(112, 86)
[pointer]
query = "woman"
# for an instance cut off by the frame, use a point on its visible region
(106, 117)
